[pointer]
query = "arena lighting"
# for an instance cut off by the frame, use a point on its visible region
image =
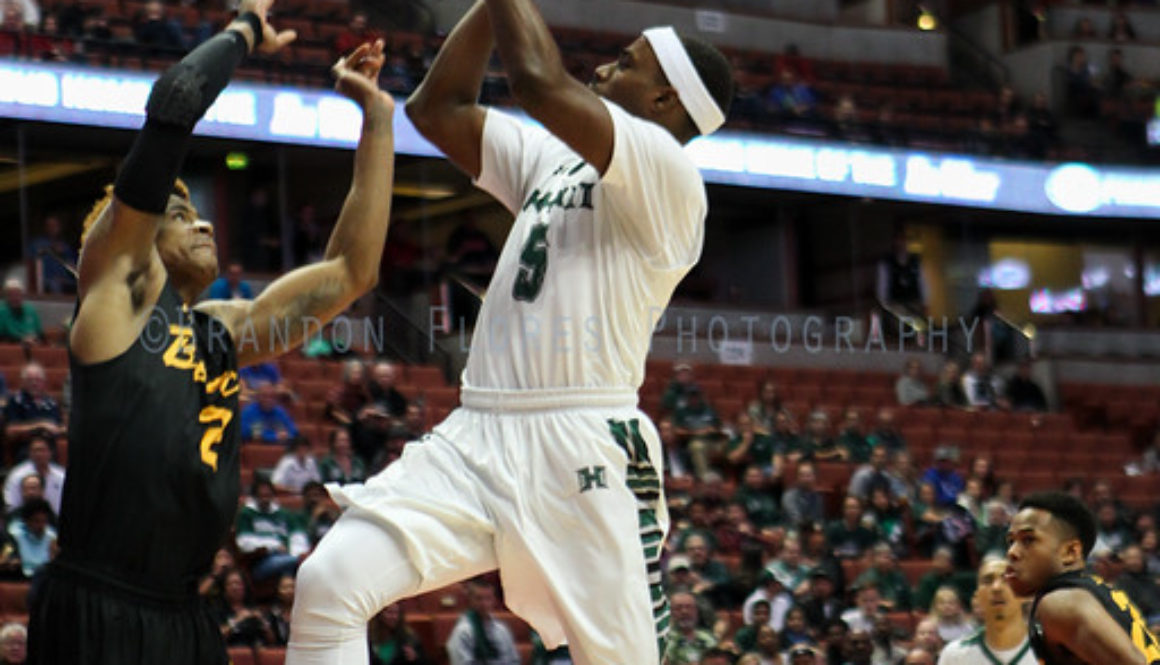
(237, 161)
(51, 92)
(1152, 280)
(926, 20)
(1046, 301)
(1005, 275)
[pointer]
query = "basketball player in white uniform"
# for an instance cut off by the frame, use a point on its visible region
(548, 471)
(1003, 638)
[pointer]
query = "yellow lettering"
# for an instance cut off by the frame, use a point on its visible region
(1144, 641)
(199, 373)
(181, 352)
(227, 383)
(213, 434)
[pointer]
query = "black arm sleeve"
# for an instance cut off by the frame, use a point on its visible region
(180, 97)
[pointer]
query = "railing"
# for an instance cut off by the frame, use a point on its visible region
(974, 63)
(410, 341)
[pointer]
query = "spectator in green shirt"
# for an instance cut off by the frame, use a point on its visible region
(848, 538)
(697, 422)
(884, 574)
(992, 535)
(817, 443)
(746, 637)
(749, 446)
(688, 641)
(852, 443)
(19, 321)
(886, 434)
(785, 436)
(942, 573)
(678, 389)
(758, 501)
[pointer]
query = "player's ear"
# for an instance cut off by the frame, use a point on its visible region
(665, 99)
(1072, 552)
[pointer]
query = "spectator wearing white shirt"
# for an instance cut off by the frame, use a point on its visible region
(296, 468)
(478, 637)
(983, 388)
(39, 463)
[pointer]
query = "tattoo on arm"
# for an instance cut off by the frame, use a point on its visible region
(317, 301)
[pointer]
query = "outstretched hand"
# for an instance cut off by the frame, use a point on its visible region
(357, 76)
(272, 40)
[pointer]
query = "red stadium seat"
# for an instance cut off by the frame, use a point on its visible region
(262, 455)
(14, 597)
(50, 356)
(426, 376)
(271, 656)
(242, 656)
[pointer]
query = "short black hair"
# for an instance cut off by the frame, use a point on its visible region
(714, 70)
(34, 507)
(717, 652)
(261, 481)
(1068, 510)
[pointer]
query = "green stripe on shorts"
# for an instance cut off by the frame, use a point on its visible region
(645, 484)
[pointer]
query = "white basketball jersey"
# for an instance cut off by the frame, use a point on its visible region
(973, 650)
(590, 263)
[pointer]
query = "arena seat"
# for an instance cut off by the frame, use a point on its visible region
(262, 455)
(914, 569)
(903, 621)
(425, 376)
(50, 356)
(14, 597)
(313, 390)
(55, 377)
(271, 656)
(241, 656)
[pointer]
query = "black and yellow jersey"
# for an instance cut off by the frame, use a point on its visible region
(152, 484)
(1114, 602)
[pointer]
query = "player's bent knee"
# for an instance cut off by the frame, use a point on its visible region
(329, 589)
(321, 584)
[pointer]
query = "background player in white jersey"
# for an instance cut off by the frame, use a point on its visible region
(548, 472)
(1003, 638)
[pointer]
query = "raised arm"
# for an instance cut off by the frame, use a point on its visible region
(121, 272)
(542, 85)
(350, 266)
(444, 107)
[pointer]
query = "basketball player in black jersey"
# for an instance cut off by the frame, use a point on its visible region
(1075, 617)
(153, 481)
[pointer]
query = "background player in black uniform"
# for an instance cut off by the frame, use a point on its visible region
(1075, 617)
(153, 478)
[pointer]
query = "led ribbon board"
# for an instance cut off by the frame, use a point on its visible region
(50, 92)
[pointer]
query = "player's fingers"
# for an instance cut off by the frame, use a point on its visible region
(356, 56)
(285, 37)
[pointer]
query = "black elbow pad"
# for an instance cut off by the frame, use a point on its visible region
(178, 100)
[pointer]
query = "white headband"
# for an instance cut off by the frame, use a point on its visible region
(683, 76)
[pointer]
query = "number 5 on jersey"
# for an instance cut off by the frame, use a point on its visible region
(533, 264)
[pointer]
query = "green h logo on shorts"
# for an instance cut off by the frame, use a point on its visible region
(590, 477)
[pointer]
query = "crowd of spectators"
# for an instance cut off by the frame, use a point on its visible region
(822, 577)
(764, 560)
(778, 92)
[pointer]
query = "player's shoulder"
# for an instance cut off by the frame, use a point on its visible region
(1065, 607)
(960, 650)
(658, 139)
